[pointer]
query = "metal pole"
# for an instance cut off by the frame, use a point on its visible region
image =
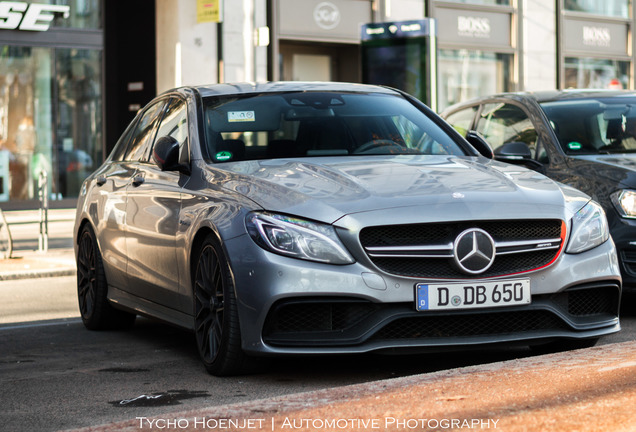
(4, 227)
(43, 188)
(219, 52)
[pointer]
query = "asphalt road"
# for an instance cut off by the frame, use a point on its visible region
(55, 375)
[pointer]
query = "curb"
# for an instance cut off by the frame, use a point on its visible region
(28, 264)
(37, 274)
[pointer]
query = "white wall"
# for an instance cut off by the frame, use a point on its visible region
(401, 10)
(539, 45)
(243, 61)
(187, 50)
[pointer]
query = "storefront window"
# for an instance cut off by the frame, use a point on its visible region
(465, 74)
(79, 118)
(25, 120)
(613, 8)
(84, 14)
(63, 139)
(596, 73)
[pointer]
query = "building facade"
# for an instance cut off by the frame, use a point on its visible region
(484, 46)
(57, 59)
(73, 73)
(50, 96)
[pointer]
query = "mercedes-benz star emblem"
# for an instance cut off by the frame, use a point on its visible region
(474, 251)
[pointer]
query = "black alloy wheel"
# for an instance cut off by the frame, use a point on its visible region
(92, 288)
(216, 321)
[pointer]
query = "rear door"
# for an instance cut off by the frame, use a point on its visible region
(111, 182)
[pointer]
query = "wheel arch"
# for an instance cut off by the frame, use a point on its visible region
(196, 244)
(80, 227)
(85, 222)
(96, 310)
(195, 249)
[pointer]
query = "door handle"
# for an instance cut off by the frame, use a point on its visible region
(138, 180)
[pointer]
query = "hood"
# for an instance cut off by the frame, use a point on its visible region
(425, 187)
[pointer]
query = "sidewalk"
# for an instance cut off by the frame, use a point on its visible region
(26, 261)
(34, 264)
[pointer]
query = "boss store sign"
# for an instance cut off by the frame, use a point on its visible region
(470, 27)
(595, 37)
(30, 16)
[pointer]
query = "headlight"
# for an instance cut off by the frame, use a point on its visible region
(297, 238)
(589, 229)
(625, 203)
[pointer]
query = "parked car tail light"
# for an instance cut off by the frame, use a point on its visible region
(297, 238)
(589, 229)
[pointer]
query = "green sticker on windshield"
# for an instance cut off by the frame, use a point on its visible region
(575, 145)
(223, 156)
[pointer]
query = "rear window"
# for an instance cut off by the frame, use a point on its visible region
(595, 125)
(311, 124)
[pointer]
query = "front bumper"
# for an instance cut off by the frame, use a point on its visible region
(289, 306)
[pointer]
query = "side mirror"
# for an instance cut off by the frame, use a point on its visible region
(475, 139)
(518, 153)
(166, 155)
(513, 151)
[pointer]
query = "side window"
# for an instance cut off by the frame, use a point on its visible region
(175, 124)
(122, 144)
(142, 138)
(542, 154)
(462, 120)
(501, 123)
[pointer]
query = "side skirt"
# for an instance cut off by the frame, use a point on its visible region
(126, 301)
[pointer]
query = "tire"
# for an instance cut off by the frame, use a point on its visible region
(216, 322)
(92, 288)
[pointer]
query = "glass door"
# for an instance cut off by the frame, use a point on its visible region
(50, 119)
(25, 120)
(78, 147)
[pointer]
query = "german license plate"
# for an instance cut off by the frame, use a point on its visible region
(470, 296)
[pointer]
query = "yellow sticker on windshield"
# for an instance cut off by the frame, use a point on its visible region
(241, 116)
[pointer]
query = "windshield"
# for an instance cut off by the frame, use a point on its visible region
(601, 125)
(311, 124)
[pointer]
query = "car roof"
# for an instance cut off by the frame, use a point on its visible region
(287, 86)
(553, 95)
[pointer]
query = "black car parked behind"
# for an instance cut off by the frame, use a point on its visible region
(583, 138)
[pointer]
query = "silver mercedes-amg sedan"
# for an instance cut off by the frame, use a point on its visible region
(327, 218)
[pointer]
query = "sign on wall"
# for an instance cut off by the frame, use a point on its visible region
(595, 37)
(209, 11)
(335, 20)
(30, 16)
(478, 28)
(393, 30)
